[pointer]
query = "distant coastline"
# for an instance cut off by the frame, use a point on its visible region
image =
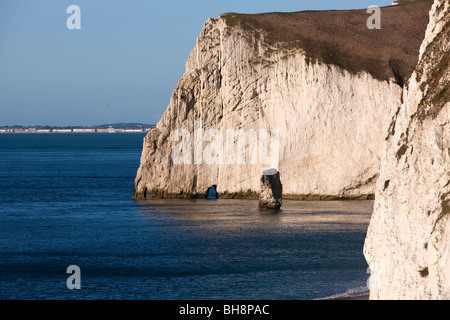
(104, 128)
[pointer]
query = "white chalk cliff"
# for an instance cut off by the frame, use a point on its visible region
(321, 86)
(408, 240)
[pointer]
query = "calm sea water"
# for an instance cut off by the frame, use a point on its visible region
(67, 200)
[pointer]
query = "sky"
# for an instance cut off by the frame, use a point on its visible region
(121, 66)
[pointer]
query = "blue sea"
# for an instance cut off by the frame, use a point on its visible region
(66, 199)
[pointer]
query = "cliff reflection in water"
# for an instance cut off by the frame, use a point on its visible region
(228, 214)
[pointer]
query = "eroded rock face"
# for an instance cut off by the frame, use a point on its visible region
(270, 197)
(407, 245)
(318, 117)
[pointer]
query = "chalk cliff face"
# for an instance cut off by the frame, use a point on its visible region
(408, 241)
(313, 93)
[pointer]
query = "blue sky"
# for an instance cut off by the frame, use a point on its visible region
(123, 64)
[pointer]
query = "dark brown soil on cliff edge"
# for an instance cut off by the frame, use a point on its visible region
(342, 38)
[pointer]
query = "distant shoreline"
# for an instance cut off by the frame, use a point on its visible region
(79, 132)
(106, 128)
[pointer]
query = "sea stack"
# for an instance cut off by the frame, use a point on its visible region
(270, 197)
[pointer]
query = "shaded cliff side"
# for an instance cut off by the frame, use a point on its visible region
(318, 89)
(407, 245)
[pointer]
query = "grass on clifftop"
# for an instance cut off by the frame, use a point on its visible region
(342, 38)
